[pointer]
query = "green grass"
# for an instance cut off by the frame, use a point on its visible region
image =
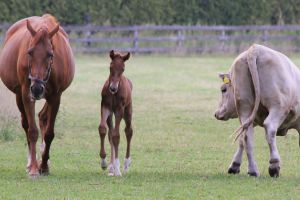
(179, 151)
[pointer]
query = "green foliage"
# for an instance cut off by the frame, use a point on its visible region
(135, 12)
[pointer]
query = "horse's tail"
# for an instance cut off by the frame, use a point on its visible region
(251, 60)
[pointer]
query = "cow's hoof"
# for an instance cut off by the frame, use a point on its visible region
(274, 171)
(254, 174)
(234, 168)
(103, 164)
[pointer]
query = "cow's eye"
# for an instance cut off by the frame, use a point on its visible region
(223, 90)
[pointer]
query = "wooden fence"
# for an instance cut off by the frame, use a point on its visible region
(179, 39)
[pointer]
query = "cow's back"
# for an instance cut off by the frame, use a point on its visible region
(278, 80)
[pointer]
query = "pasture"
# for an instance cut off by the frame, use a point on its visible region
(179, 150)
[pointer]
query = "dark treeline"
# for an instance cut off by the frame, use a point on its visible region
(136, 12)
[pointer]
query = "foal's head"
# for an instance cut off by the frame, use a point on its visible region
(117, 68)
(40, 58)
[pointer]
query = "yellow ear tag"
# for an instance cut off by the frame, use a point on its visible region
(226, 80)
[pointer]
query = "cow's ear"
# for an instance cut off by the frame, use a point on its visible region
(225, 78)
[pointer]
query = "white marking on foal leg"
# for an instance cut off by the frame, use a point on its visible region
(117, 167)
(110, 169)
(127, 164)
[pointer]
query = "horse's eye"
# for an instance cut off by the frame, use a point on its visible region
(223, 90)
(50, 54)
(30, 52)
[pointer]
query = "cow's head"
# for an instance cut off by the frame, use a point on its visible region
(226, 109)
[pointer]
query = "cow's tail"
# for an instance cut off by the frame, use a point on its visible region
(251, 60)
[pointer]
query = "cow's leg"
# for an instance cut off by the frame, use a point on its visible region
(271, 124)
(128, 132)
(234, 167)
(112, 149)
(32, 132)
(48, 135)
(102, 133)
(24, 123)
(249, 143)
(116, 140)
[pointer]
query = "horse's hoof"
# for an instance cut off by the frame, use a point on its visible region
(254, 174)
(103, 164)
(117, 167)
(234, 168)
(44, 171)
(274, 171)
(34, 174)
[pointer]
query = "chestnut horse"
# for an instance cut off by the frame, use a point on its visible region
(37, 62)
(116, 99)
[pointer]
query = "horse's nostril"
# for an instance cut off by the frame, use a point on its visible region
(37, 90)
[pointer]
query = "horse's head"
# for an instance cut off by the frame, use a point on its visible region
(117, 68)
(40, 59)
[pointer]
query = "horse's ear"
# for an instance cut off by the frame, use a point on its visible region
(126, 57)
(112, 54)
(55, 30)
(30, 29)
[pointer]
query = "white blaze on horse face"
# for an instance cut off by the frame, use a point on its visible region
(227, 107)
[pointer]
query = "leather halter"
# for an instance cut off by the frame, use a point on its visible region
(37, 80)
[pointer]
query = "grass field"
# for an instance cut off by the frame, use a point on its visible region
(179, 150)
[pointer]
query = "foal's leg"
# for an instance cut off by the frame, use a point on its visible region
(112, 149)
(32, 132)
(52, 109)
(116, 140)
(24, 125)
(271, 124)
(128, 132)
(102, 132)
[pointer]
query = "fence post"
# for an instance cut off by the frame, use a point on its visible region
(180, 39)
(265, 36)
(222, 39)
(135, 39)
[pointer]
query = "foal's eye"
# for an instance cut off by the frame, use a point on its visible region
(223, 90)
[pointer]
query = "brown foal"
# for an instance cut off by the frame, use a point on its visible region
(116, 99)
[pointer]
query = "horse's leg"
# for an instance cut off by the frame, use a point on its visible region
(24, 123)
(112, 149)
(43, 123)
(102, 133)
(116, 140)
(32, 132)
(128, 132)
(52, 109)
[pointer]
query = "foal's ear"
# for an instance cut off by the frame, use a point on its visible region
(126, 57)
(30, 29)
(55, 30)
(112, 54)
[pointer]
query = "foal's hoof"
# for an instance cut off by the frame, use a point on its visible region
(44, 171)
(103, 164)
(110, 170)
(274, 171)
(254, 174)
(127, 163)
(34, 174)
(234, 168)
